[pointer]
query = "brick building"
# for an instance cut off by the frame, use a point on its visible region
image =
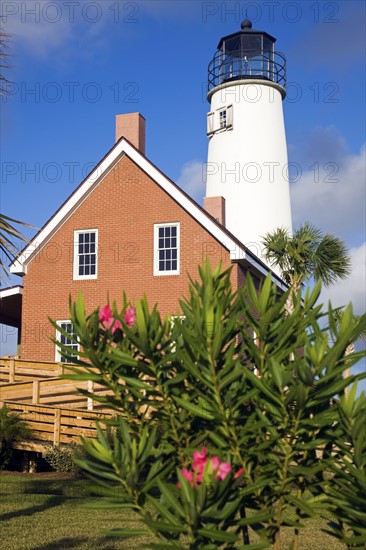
(128, 228)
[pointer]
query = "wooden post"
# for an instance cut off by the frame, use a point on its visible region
(61, 369)
(11, 371)
(35, 397)
(57, 427)
(90, 404)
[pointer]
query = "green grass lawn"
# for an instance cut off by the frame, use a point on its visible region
(46, 513)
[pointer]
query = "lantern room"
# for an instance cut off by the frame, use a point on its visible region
(247, 54)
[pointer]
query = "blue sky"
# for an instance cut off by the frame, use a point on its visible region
(77, 64)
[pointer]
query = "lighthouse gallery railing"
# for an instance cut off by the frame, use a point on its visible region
(249, 65)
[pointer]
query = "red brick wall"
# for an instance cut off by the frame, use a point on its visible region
(124, 209)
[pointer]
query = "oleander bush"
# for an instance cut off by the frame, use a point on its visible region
(231, 419)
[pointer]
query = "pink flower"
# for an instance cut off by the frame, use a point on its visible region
(205, 467)
(224, 470)
(105, 317)
(130, 316)
(105, 314)
(239, 473)
(215, 463)
(188, 475)
(200, 460)
(117, 325)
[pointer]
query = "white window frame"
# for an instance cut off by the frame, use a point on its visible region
(222, 119)
(157, 271)
(58, 357)
(76, 266)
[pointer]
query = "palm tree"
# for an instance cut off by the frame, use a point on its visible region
(306, 254)
(8, 249)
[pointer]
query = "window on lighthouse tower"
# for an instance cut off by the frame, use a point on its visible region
(222, 119)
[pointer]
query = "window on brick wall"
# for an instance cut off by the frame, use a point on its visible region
(65, 334)
(85, 254)
(166, 248)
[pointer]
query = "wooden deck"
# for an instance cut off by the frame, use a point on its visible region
(52, 391)
(55, 425)
(53, 408)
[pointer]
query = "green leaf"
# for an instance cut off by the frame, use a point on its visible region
(222, 536)
(194, 409)
(171, 499)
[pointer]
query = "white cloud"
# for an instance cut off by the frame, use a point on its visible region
(332, 195)
(44, 27)
(192, 179)
(352, 289)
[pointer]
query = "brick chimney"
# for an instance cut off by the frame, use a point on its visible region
(216, 207)
(132, 126)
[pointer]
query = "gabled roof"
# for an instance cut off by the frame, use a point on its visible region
(237, 250)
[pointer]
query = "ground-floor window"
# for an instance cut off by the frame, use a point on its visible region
(66, 336)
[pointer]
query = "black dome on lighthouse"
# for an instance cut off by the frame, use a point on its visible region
(247, 38)
(246, 24)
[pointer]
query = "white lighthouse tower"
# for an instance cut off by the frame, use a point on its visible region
(247, 186)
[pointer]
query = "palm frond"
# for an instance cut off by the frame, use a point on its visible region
(8, 248)
(307, 253)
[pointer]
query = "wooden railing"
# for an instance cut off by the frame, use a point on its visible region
(53, 425)
(19, 370)
(52, 391)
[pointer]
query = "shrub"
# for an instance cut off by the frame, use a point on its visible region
(62, 459)
(12, 430)
(189, 390)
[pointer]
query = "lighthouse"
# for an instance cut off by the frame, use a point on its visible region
(247, 181)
